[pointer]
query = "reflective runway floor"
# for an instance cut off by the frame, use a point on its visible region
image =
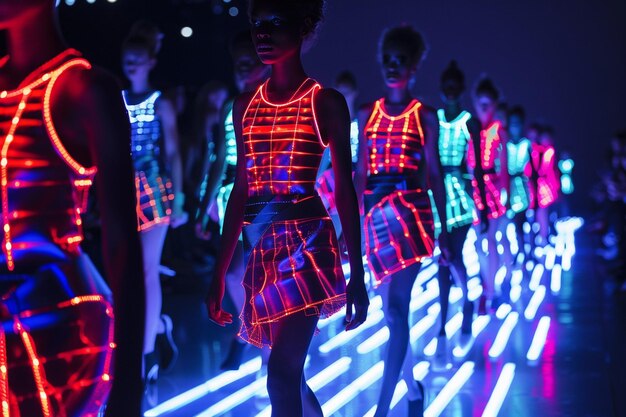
(555, 347)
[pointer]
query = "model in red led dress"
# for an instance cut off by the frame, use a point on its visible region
(61, 122)
(398, 161)
(493, 167)
(158, 180)
(293, 271)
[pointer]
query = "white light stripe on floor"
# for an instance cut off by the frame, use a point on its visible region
(500, 391)
(555, 281)
(452, 326)
(347, 394)
(209, 386)
(478, 325)
(425, 323)
(320, 380)
(503, 335)
(503, 310)
(535, 279)
(450, 390)
(539, 339)
(344, 337)
(234, 399)
(534, 303)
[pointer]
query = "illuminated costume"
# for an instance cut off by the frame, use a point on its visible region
(326, 180)
(228, 179)
(566, 165)
(399, 229)
(292, 257)
(454, 139)
(56, 338)
(546, 183)
(154, 188)
(490, 144)
(518, 156)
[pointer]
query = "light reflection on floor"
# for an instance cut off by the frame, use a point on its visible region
(507, 368)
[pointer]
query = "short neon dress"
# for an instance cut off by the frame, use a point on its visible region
(291, 251)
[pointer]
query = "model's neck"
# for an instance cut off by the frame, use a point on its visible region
(452, 109)
(398, 95)
(140, 86)
(287, 75)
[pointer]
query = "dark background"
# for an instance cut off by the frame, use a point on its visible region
(564, 60)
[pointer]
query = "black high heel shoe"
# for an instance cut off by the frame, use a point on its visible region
(416, 407)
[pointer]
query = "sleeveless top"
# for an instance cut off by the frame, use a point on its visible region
(281, 143)
(43, 189)
(395, 143)
(453, 139)
(145, 132)
(518, 156)
(490, 142)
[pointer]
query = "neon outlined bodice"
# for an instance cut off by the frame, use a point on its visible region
(490, 143)
(44, 190)
(145, 130)
(395, 143)
(281, 143)
(453, 138)
(518, 156)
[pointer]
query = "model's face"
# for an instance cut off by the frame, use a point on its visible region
(485, 107)
(13, 11)
(276, 34)
(137, 64)
(397, 65)
(248, 67)
(516, 127)
(451, 89)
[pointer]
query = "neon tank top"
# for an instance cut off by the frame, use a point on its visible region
(453, 139)
(281, 143)
(395, 143)
(490, 143)
(44, 190)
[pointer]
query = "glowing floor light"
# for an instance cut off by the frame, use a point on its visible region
(566, 261)
(234, 399)
(475, 292)
(419, 301)
(450, 390)
(503, 311)
(502, 338)
(500, 275)
(535, 279)
(539, 339)
(452, 326)
(534, 303)
(344, 337)
(478, 325)
(555, 282)
(209, 386)
(422, 326)
(516, 293)
(550, 257)
(320, 380)
(516, 277)
(347, 394)
(500, 391)
(374, 341)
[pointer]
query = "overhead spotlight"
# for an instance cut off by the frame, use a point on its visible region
(233, 11)
(70, 2)
(91, 1)
(186, 32)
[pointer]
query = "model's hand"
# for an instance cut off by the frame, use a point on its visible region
(356, 295)
(178, 219)
(213, 303)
